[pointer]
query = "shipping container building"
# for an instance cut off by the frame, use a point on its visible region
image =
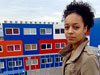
(32, 62)
(12, 66)
(11, 48)
(58, 31)
(13, 31)
(51, 46)
(94, 33)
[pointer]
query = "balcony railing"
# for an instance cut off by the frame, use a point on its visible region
(17, 65)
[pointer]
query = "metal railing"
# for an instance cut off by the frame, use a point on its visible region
(50, 68)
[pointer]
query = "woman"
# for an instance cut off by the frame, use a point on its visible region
(78, 57)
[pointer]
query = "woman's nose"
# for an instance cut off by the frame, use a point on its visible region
(70, 30)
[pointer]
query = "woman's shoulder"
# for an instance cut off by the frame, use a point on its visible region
(90, 50)
(90, 53)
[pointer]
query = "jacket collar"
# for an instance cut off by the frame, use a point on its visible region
(68, 49)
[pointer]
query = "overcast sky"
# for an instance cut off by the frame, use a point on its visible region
(38, 10)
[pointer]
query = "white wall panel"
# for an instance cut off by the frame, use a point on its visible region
(58, 26)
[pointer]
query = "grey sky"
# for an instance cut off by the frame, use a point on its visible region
(38, 10)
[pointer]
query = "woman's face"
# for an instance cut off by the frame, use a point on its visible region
(74, 28)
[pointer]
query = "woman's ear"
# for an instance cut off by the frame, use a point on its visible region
(85, 29)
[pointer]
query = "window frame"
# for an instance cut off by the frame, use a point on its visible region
(60, 45)
(46, 46)
(15, 64)
(46, 60)
(12, 31)
(56, 32)
(31, 47)
(19, 65)
(60, 31)
(46, 31)
(1, 67)
(36, 63)
(1, 48)
(11, 66)
(27, 64)
(29, 61)
(30, 31)
(58, 58)
(14, 47)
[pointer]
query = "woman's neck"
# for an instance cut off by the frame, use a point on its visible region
(77, 44)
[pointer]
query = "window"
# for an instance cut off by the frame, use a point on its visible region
(1, 48)
(15, 31)
(49, 60)
(8, 31)
(43, 61)
(46, 46)
(17, 63)
(58, 59)
(59, 31)
(29, 31)
(17, 47)
(11, 64)
(30, 46)
(13, 47)
(34, 61)
(42, 31)
(43, 46)
(45, 31)
(1, 65)
(48, 31)
(62, 45)
(12, 31)
(10, 48)
(62, 31)
(46, 60)
(59, 45)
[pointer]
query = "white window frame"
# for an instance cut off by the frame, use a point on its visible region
(12, 31)
(26, 63)
(47, 60)
(46, 31)
(60, 45)
(2, 65)
(15, 64)
(19, 65)
(31, 47)
(59, 31)
(10, 66)
(36, 60)
(1, 48)
(46, 46)
(64, 45)
(30, 31)
(58, 58)
(14, 47)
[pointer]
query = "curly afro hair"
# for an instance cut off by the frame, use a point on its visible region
(82, 9)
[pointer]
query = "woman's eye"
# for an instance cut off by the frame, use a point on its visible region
(76, 27)
(66, 27)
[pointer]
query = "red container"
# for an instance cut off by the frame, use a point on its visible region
(11, 48)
